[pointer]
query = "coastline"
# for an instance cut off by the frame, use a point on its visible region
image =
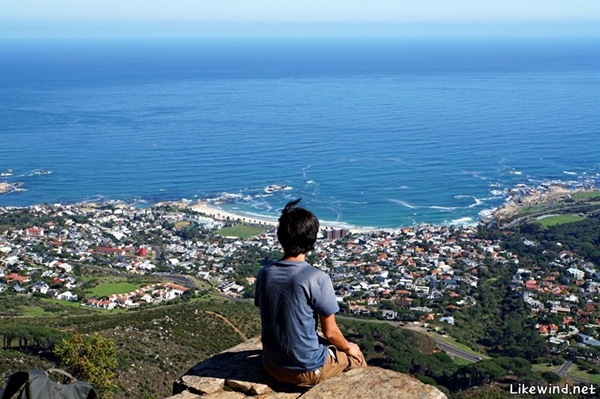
(518, 197)
(524, 196)
(217, 213)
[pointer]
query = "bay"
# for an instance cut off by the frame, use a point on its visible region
(382, 133)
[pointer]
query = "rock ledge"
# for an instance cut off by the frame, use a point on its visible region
(237, 374)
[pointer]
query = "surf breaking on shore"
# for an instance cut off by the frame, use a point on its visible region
(519, 196)
(516, 198)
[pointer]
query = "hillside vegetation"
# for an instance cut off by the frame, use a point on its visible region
(155, 345)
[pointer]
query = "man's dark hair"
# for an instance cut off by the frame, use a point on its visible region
(297, 230)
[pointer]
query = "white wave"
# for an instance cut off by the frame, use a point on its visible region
(515, 172)
(304, 170)
(474, 174)
(497, 193)
(477, 200)
(340, 224)
(486, 213)
(566, 172)
(310, 181)
(404, 203)
(38, 172)
(256, 215)
(443, 208)
(464, 221)
(337, 202)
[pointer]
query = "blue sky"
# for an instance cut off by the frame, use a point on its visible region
(202, 18)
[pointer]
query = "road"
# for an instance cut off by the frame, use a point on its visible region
(179, 279)
(448, 348)
(454, 351)
(562, 371)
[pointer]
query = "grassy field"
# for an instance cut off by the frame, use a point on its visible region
(34, 311)
(113, 285)
(242, 231)
(574, 371)
(460, 361)
(586, 195)
(559, 219)
(540, 368)
(49, 307)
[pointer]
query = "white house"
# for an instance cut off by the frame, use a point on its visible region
(67, 296)
(578, 274)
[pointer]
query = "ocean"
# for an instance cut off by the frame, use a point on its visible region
(368, 132)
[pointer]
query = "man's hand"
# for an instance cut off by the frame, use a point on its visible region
(332, 333)
(354, 351)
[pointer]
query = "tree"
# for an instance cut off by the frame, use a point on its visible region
(93, 360)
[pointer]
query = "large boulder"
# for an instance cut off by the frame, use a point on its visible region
(237, 374)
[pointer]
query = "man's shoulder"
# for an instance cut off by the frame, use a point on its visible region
(315, 274)
(302, 268)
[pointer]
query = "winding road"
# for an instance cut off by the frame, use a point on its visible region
(448, 348)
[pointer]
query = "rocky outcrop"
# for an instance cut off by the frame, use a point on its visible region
(237, 374)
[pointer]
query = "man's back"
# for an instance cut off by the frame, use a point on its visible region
(291, 296)
(294, 298)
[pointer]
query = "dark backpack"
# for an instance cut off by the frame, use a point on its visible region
(36, 384)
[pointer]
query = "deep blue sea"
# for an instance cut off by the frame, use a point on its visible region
(369, 132)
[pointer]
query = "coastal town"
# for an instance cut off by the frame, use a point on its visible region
(425, 272)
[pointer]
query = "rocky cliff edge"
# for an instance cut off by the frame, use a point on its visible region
(237, 374)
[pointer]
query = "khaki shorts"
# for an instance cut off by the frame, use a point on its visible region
(337, 362)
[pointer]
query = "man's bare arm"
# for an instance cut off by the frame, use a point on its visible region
(332, 333)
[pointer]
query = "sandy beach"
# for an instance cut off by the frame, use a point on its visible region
(219, 214)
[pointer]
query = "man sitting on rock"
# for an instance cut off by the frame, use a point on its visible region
(293, 296)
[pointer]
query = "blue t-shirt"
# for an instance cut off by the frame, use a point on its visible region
(291, 296)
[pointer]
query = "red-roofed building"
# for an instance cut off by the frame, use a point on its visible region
(101, 303)
(176, 287)
(531, 285)
(590, 308)
(18, 278)
(110, 251)
(34, 232)
(58, 281)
